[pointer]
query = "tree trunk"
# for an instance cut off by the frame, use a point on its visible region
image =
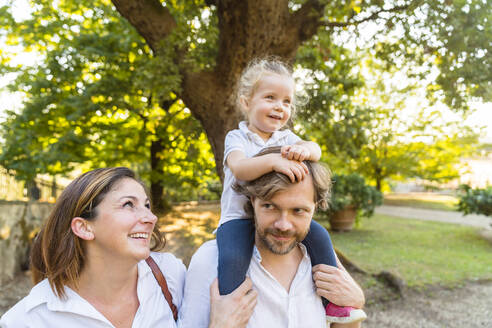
(159, 204)
(247, 29)
(379, 178)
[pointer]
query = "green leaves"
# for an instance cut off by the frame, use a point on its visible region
(352, 190)
(100, 97)
(475, 201)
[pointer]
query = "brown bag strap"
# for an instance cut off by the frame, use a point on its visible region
(162, 282)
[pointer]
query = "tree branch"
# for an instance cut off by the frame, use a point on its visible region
(307, 19)
(371, 17)
(153, 21)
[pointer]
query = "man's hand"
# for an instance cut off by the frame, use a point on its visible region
(337, 286)
(295, 170)
(295, 152)
(233, 310)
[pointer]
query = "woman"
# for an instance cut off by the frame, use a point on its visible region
(88, 263)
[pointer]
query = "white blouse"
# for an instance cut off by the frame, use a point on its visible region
(43, 309)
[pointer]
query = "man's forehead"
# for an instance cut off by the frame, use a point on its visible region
(299, 192)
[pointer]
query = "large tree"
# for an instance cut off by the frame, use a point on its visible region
(455, 33)
(197, 49)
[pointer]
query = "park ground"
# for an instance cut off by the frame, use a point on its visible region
(444, 297)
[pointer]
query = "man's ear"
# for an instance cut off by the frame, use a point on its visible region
(82, 228)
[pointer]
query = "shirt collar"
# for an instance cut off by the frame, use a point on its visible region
(73, 302)
(243, 127)
(257, 255)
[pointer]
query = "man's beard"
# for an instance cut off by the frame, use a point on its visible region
(279, 247)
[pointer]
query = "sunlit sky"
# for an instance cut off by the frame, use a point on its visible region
(482, 115)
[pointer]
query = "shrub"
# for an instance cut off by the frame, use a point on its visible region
(475, 201)
(352, 190)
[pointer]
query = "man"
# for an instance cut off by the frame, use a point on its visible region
(280, 268)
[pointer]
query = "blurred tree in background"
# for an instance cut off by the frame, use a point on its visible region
(142, 90)
(93, 99)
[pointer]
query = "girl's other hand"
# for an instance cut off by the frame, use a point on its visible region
(295, 152)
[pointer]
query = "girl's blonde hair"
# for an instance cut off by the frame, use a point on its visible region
(254, 71)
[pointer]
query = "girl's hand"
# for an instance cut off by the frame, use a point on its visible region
(233, 310)
(295, 170)
(295, 152)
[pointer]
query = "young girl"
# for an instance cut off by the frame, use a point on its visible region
(266, 97)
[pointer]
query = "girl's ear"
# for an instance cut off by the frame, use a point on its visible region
(82, 228)
(243, 100)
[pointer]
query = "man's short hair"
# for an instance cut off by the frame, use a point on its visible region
(266, 186)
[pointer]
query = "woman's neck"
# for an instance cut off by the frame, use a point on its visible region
(107, 279)
(110, 286)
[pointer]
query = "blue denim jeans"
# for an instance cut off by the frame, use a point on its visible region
(235, 241)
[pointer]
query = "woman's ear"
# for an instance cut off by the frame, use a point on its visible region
(82, 228)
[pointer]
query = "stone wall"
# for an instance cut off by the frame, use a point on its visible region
(19, 223)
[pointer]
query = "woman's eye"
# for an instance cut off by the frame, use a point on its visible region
(147, 205)
(128, 203)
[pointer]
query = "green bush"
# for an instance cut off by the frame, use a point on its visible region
(352, 190)
(475, 201)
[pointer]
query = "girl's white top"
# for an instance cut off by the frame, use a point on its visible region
(43, 309)
(250, 143)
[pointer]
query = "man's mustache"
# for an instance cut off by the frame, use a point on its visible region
(280, 233)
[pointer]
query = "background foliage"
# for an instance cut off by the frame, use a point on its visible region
(101, 93)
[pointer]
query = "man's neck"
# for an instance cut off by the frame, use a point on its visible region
(282, 267)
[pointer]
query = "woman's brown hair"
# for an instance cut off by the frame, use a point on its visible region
(57, 253)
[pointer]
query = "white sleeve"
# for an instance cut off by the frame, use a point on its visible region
(292, 138)
(16, 317)
(234, 140)
(195, 309)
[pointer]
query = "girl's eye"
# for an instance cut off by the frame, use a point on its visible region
(269, 97)
(147, 205)
(287, 101)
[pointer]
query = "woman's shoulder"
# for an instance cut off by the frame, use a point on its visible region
(19, 314)
(169, 263)
(15, 316)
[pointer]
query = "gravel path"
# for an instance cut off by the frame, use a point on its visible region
(479, 221)
(468, 306)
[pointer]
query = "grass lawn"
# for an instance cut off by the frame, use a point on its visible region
(422, 200)
(420, 252)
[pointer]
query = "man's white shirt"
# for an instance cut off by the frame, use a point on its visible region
(276, 308)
